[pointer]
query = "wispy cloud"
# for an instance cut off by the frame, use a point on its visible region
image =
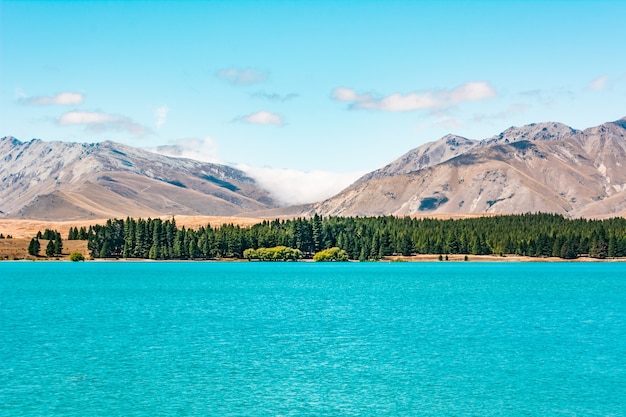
(262, 118)
(61, 99)
(471, 91)
(449, 123)
(513, 110)
(193, 148)
(244, 76)
(99, 122)
(600, 83)
(291, 186)
(274, 96)
(161, 115)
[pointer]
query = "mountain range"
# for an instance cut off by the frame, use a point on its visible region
(540, 167)
(66, 181)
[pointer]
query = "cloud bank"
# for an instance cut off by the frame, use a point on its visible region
(99, 122)
(396, 102)
(288, 186)
(291, 186)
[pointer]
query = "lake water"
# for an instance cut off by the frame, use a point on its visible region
(235, 339)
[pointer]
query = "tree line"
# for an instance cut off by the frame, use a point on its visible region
(364, 238)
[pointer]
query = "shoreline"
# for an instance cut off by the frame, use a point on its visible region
(389, 259)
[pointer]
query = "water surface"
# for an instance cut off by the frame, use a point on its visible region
(231, 339)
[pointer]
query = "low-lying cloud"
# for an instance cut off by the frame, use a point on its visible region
(427, 100)
(288, 186)
(291, 186)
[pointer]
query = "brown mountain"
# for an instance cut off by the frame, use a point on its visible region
(547, 167)
(64, 181)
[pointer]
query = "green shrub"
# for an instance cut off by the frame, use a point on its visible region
(331, 255)
(278, 253)
(76, 256)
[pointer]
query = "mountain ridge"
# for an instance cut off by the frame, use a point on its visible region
(67, 180)
(544, 166)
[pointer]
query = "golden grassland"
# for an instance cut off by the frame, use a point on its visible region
(27, 228)
(17, 248)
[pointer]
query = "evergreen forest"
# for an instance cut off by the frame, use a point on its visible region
(361, 238)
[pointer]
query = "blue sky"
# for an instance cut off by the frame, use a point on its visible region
(305, 95)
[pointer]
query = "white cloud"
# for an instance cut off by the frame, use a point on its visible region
(291, 186)
(98, 122)
(274, 96)
(61, 99)
(193, 148)
(600, 83)
(263, 118)
(398, 102)
(349, 94)
(245, 76)
(471, 91)
(161, 115)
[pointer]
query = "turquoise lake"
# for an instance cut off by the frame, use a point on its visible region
(296, 339)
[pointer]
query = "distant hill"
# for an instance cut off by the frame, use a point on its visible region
(541, 167)
(65, 181)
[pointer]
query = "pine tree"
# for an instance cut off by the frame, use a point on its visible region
(316, 232)
(58, 244)
(50, 248)
(34, 247)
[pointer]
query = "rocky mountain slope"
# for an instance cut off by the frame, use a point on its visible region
(547, 167)
(63, 181)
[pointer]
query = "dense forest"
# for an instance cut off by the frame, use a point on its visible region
(367, 238)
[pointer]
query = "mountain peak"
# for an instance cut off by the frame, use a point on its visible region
(425, 156)
(10, 139)
(533, 132)
(454, 140)
(621, 122)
